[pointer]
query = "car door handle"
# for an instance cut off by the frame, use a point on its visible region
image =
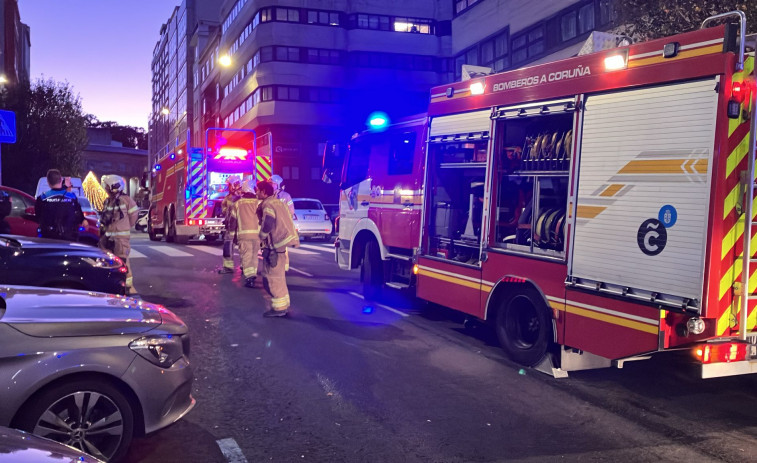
(364, 203)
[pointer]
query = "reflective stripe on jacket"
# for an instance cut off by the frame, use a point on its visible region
(276, 223)
(245, 214)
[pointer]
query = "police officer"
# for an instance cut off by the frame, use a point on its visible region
(244, 212)
(58, 210)
(118, 217)
(234, 187)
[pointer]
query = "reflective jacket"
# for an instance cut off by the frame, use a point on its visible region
(119, 215)
(59, 214)
(276, 225)
(245, 213)
(227, 205)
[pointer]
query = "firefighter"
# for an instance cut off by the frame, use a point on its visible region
(285, 198)
(118, 217)
(244, 213)
(234, 184)
(276, 233)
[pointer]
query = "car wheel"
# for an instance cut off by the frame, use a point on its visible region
(151, 232)
(524, 327)
(92, 416)
(371, 272)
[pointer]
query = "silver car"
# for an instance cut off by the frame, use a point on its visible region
(311, 219)
(91, 370)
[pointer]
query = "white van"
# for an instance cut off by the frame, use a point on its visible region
(76, 186)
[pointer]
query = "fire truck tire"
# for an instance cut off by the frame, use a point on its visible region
(371, 273)
(170, 227)
(151, 231)
(524, 327)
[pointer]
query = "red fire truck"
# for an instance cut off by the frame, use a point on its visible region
(189, 183)
(592, 209)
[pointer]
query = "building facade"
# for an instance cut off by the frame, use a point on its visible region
(104, 156)
(15, 43)
(307, 71)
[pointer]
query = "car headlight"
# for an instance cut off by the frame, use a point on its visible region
(162, 350)
(111, 262)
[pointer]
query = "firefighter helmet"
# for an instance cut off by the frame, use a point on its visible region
(234, 183)
(248, 184)
(112, 183)
(276, 180)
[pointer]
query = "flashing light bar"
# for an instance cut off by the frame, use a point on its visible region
(231, 154)
(615, 62)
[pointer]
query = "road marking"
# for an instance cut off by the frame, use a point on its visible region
(398, 312)
(301, 272)
(231, 450)
(134, 254)
(317, 248)
(209, 250)
(302, 251)
(169, 251)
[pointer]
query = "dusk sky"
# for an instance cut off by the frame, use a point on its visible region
(103, 48)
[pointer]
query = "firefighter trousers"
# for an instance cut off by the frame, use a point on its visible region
(275, 283)
(122, 249)
(248, 251)
(228, 251)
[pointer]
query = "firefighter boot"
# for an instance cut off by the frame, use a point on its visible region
(250, 282)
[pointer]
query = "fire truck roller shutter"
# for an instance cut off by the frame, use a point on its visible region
(460, 125)
(644, 190)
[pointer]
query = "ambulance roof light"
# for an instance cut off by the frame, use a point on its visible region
(378, 120)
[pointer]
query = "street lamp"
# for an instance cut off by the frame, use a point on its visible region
(225, 61)
(164, 111)
(3, 79)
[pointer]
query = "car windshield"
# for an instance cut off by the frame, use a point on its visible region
(308, 205)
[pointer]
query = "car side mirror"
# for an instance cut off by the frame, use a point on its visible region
(30, 211)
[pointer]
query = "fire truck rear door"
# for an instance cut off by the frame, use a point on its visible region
(644, 192)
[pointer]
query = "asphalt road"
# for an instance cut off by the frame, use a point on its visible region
(339, 381)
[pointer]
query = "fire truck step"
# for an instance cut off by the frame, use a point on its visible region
(399, 256)
(395, 285)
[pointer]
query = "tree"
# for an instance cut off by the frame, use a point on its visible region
(651, 19)
(132, 137)
(51, 132)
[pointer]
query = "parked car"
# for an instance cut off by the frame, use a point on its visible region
(91, 369)
(311, 219)
(21, 218)
(20, 447)
(59, 264)
(142, 217)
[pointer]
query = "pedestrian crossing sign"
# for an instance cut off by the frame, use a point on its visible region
(7, 127)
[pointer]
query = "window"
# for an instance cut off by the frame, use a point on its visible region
(419, 26)
(372, 21)
(568, 26)
(325, 18)
(528, 44)
(310, 205)
(401, 153)
(357, 165)
(586, 18)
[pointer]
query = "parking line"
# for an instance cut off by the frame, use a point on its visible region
(134, 254)
(231, 450)
(398, 312)
(301, 272)
(316, 247)
(169, 251)
(209, 250)
(302, 251)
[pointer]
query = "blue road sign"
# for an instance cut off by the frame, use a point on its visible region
(7, 127)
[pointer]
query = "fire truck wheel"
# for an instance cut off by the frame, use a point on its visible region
(170, 227)
(524, 327)
(151, 231)
(370, 272)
